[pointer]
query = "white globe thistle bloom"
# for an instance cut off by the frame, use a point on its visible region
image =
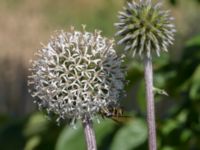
(76, 74)
(145, 28)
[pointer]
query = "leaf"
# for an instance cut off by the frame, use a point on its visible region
(160, 91)
(32, 143)
(140, 97)
(194, 41)
(71, 138)
(104, 128)
(130, 136)
(168, 148)
(171, 124)
(36, 124)
(195, 88)
(186, 135)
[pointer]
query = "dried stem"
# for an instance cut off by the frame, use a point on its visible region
(150, 103)
(89, 134)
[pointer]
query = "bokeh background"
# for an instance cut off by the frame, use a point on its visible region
(24, 24)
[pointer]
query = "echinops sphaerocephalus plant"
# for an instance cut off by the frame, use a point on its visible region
(145, 28)
(76, 74)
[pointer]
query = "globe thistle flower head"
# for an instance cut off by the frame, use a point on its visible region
(145, 28)
(76, 74)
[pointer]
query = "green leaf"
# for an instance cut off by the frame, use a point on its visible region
(32, 143)
(130, 136)
(194, 41)
(172, 124)
(71, 138)
(102, 129)
(140, 96)
(195, 88)
(185, 135)
(36, 124)
(159, 91)
(168, 148)
(169, 126)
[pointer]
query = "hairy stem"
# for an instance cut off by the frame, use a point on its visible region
(89, 134)
(150, 103)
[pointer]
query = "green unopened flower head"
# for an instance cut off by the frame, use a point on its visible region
(76, 74)
(145, 28)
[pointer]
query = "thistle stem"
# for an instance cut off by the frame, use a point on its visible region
(150, 103)
(89, 134)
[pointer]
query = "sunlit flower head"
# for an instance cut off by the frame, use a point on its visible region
(76, 74)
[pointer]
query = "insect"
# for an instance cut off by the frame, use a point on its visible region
(114, 113)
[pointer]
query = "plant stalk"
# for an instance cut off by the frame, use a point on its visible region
(89, 134)
(148, 72)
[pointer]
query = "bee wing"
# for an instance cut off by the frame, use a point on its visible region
(121, 119)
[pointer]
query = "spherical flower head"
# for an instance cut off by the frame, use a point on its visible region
(145, 28)
(76, 74)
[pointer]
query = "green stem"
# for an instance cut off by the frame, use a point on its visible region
(89, 134)
(150, 103)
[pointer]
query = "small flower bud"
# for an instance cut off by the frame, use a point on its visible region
(145, 28)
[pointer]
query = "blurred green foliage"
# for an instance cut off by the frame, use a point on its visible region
(178, 115)
(181, 127)
(174, 2)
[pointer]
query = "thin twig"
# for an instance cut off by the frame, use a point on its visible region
(89, 134)
(150, 103)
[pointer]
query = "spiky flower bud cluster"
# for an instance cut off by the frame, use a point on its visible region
(145, 28)
(76, 75)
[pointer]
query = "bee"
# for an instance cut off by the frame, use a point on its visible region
(114, 113)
